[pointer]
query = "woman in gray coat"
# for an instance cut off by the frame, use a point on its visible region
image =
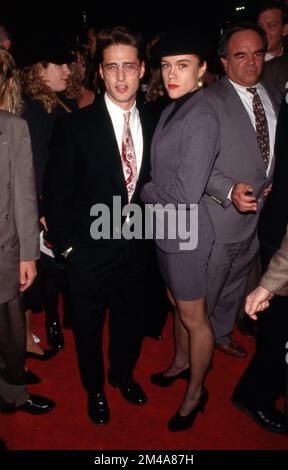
(184, 148)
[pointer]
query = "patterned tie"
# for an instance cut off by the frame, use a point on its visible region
(128, 156)
(262, 130)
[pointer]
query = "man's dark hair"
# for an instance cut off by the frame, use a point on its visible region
(117, 36)
(271, 5)
(236, 28)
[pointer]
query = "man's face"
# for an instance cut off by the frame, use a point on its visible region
(271, 22)
(245, 58)
(121, 71)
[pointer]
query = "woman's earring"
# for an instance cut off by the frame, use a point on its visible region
(200, 81)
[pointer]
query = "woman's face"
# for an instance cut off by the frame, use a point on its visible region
(56, 76)
(181, 74)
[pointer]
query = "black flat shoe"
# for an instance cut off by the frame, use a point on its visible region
(267, 417)
(97, 408)
(180, 423)
(48, 354)
(31, 378)
(130, 390)
(35, 405)
(162, 381)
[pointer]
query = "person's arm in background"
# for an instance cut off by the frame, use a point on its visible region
(274, 281)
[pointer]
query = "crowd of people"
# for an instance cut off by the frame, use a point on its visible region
(78, 132)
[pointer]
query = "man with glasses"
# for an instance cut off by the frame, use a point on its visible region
(98, 153)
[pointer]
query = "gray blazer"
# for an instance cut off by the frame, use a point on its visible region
(182, 157)
(275, 278)
(19, 233)
(239, 160)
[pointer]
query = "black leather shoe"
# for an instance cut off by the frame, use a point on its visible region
(54, 335)
(35, 405)
(130, 390)
(180, 423)
(162, 381)
(31, 378)
(48, 354)
(268, 418)
(97, 408)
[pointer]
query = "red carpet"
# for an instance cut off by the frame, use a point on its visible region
(68, 427)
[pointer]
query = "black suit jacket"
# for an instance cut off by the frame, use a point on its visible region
(84, 169)
(274, 218)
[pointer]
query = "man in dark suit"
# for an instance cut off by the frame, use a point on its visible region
(88, 166)
(241, 175)
(275, 73)
(263, 382)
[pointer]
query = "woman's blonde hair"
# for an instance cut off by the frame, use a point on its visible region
(10, 96)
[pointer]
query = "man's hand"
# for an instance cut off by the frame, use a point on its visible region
(43, 223)
(257, 301)
(27, 274)
(242, 197)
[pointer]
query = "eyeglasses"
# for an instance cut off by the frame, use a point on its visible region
(129, 68)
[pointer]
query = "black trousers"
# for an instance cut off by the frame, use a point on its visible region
(12, 342)
(114, 281)
(51, 281)
(265, 378)
(54, 280)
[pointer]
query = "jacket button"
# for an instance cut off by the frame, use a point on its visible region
(7, 217)
(8, 186)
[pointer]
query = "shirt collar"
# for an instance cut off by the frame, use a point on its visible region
(116, 112)
(269, 56)
(243, 89)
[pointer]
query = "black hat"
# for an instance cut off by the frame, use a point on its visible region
(178, 43)
(44, 50)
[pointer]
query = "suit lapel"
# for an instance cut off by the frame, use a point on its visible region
(109, 147)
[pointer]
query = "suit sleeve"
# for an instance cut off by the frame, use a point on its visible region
(58, 187)
(199, 148)
(219, 186)
(25, 204)
(275, 279)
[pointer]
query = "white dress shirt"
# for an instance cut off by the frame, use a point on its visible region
(117, 117)
(269, 56)
(247, 98)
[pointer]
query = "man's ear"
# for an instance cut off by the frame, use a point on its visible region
(224, 62)
(101, 71)
(142, 69)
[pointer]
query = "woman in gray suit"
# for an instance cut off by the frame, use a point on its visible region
(184, 148)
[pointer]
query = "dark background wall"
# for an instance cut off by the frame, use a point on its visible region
(139, 14)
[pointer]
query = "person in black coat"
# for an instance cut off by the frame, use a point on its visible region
(263, 382)
(45, 78)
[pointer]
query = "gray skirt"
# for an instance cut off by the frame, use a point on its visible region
(185, 273)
